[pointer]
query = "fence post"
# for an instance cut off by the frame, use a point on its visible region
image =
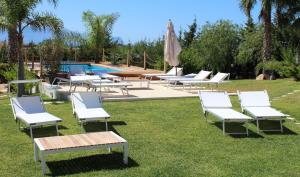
(41, 63)
(165, 66)
(103, 55)
(145, 64)
(128, 53)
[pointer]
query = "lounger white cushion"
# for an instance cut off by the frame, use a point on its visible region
(38, 118)
(229, 114)
(264, 112)
(91, 114)
(87, 105)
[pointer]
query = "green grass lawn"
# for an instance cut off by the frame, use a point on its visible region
(166, 138)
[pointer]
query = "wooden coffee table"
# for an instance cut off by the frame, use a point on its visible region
(68, 143)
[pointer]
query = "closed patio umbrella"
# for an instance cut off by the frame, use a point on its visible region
(172, 47)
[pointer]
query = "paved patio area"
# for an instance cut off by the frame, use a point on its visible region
(138, 90)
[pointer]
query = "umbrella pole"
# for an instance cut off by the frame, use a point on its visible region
(165, 66)
(175, 70)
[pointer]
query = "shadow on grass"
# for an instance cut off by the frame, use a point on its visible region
(265, 125)
(100, 126)
(99, 162)
(233, 127)
(44, 131)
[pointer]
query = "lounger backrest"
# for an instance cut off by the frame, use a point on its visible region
(86, 100)
(254, 99)
(219, 77)
(214, 99)
(173, 71)
(76, 70)
(202, 75)
(27, 105)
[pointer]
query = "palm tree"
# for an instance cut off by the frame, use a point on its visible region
(290, 23)
(99, 30)
(247, 6)
(265, 15)
(19, 15)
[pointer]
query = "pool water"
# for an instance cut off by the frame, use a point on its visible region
(88, 68)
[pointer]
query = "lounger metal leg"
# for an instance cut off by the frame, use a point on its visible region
(57, 129)
(257, 125)
(19, 123)
(281, 128)
(247, 131)
(106, 126)
(36, 154)
(31, 134)
(223, 127)
(43, 163)
(82, 129)
(125, 153)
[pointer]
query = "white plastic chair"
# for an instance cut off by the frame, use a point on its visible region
(219, 105)
(87, 107)
(257, 104)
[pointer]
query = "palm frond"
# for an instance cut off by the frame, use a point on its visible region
(43, 21)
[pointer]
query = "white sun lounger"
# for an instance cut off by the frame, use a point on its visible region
(201, 76)
(94, 84)
(31, 111)
(216, 80)
(219, 105)
(257, 104)
(172, 72)
(81, 80)
(87, 107)
(110, 76)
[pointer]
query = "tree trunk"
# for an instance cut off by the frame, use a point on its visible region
(267, 32)
(298, 58)
(21, 72)
(12, 45)
(278, 14)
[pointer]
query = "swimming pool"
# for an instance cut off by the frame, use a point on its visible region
(88, 68)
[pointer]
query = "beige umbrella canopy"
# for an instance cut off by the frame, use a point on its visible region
(172, 46)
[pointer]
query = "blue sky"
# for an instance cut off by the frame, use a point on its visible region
(147, 19)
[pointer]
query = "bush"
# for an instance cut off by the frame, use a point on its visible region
(10, 73)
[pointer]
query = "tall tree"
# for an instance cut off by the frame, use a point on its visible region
(99, 30)
(266, 16)
(247, 6)
(20, 15)
(190, 35)
(266, 13)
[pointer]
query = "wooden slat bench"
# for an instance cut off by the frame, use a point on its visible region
(60, 144)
